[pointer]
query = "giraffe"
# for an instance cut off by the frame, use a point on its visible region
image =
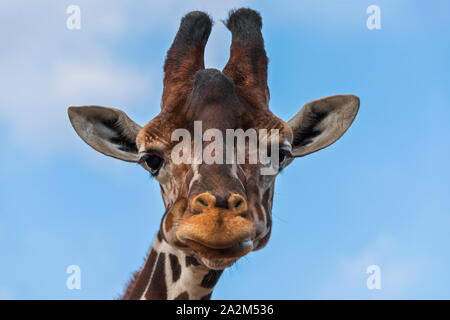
(215, 213)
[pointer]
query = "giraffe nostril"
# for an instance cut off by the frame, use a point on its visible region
(202, 201)
(238, 204)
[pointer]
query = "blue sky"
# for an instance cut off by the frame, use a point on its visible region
(380, 195)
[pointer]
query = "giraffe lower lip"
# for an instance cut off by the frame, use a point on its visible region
(235, 251)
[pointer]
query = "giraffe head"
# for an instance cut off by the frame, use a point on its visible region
(217, 211)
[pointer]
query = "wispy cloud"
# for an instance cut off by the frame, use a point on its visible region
(46, 68)
(399, 273)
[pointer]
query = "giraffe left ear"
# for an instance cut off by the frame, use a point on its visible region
(107, 130)
(321, 122)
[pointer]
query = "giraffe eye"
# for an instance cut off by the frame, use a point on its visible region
(284, 154)
(153, 162)
(282, 157)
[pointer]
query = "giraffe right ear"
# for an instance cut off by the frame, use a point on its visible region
(107, 130)
(321, 122)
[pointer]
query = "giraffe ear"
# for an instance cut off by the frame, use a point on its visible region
(321, 122)
(107, 130)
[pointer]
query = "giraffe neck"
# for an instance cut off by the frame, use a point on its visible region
(168, 273)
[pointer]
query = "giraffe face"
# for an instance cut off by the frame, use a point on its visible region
(217, 211)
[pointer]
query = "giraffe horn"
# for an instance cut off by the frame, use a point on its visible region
(247, 66)
(184, 58)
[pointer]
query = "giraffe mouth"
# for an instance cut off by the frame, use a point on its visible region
(214, 255)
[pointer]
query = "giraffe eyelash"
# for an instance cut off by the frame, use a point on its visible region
(153, 162)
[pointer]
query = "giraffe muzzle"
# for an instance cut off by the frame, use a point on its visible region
(217, 228)
(229, 238)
